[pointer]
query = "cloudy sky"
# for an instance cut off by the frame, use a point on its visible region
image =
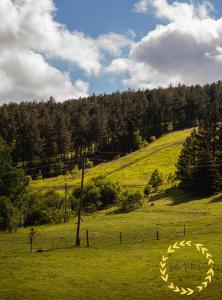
(71, 49)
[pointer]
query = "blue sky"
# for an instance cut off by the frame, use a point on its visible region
(95, 17)
(71, 49)
(100, 17)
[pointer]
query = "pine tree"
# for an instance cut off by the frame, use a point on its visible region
(186, 161)
(198, 167)
(206, 179)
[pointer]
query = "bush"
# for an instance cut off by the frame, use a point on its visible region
(5, 210)
(98, 194)
(138, 141)
(10, 216)
(128, 201)
(147, 190)
(171, 179)
(43, 208)
(156, 180)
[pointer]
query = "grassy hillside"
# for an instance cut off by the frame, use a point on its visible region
(132, 170)
(109, 269)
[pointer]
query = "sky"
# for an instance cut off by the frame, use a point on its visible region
(72, 49)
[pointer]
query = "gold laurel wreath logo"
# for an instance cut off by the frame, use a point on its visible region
(186, 291)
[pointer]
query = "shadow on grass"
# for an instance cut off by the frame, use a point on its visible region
(177, 196)
(216, 199)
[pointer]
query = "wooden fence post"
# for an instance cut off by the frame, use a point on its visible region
(120, 237)
(157, 235)
(87, 238)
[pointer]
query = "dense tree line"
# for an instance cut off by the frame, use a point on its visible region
(199, 167)
(47, 138)
(21, 207)
(13, 185)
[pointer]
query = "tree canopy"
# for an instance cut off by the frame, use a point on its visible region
(50, 136)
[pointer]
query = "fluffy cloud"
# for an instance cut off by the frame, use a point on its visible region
(30, 37)
(26, 75)
(177, 11)
(187, 49)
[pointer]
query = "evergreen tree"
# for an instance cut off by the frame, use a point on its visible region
(206, 179)
(198, 167)
(12, 180)
(187, 160)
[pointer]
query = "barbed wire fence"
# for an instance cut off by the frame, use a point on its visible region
(97, 239)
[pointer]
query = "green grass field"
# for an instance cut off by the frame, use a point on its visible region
(132, 170)
(109, 269)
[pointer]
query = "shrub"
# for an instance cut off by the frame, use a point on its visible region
(98, 194)
(43, 208)
(128, 201)
(10, 216)
(147, 190)
(156, 180)
(171, 179)
(138, 141)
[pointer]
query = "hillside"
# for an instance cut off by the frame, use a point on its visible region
(132, 170)
(109, 269)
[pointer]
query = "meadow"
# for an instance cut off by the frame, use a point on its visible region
(109, 268)
(132, 171)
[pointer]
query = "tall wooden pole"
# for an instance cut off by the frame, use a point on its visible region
(80, 204)
(65, 204)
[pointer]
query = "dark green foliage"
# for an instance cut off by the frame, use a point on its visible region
(148, 190)
(101, 193)
(17, 206)
(171, 179)
(10, 217)
(43, 208)
(129, 200)
(137, 141)
(156, 180)
(187, 160)
(206, 178)
(12, 180)
(12, 190)
(199, 165)
(5, 212)
(98, 194)
(50, 136)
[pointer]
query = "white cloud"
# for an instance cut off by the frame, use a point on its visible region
(188, 49)
(26, 75)
(177, 11)
(113, 43)
(118, 65)
(29, 34)
(142, 6)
